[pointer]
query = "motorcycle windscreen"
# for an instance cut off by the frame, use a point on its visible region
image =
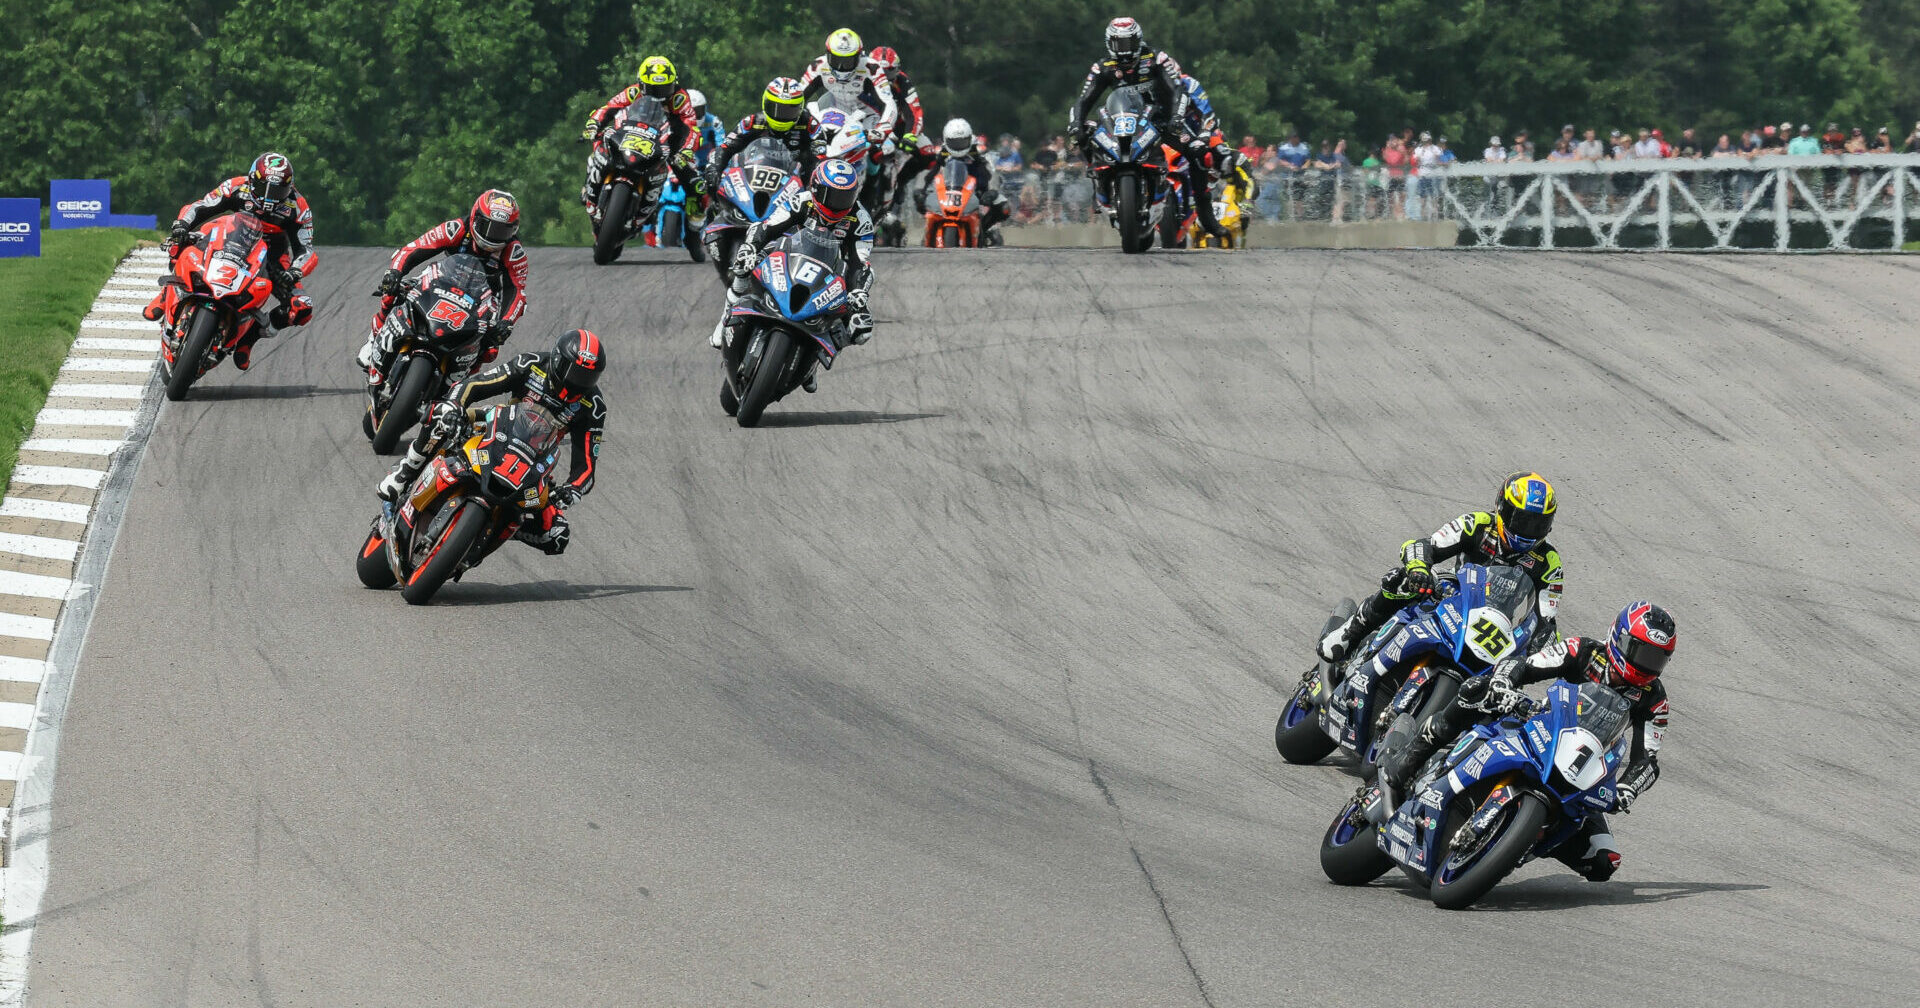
(648, 110)
(762, 178)
(802, 274)
(518, 450)
(953, 185)
(1603, 712)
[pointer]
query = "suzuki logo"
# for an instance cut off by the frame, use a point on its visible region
(94, 205)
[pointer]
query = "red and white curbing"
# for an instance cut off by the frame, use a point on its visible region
(102, 392)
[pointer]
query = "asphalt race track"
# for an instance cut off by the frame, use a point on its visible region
(955, 684)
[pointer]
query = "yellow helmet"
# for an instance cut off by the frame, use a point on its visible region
(843, 50)
(1525, 514)
(657, 71)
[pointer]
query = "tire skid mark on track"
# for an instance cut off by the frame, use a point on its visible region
(57, 488)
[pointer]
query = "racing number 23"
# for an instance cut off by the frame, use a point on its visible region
(1488, 635)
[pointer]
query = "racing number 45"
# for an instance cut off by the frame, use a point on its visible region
(1488, 635)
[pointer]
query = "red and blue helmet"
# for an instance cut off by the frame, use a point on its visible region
(836, 189)
(1641, 643)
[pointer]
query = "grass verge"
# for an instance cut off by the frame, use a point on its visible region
(44, 301)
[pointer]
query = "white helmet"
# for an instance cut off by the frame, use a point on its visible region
(697, 101)
(957, 137)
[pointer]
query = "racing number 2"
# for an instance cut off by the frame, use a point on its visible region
(1489, 636)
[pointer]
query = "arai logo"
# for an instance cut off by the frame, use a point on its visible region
(69, 205)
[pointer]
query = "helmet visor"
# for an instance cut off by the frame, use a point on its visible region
(1527, 527)
(491, 233)
(1645, 657)
(268, 191)
(957, 144)
(577, 378)
(836, 201)
(843, 64)
(781, 114)
(1124, 46)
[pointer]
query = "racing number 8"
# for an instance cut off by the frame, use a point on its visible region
(1489, 636)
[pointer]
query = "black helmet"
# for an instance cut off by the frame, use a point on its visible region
(269, 182)
(578, 360)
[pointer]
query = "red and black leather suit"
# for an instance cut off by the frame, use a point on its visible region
(506, 271)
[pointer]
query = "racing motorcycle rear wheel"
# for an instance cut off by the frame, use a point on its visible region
(615, 204)
(403, 410)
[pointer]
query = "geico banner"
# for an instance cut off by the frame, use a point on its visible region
(19, 227)
(79, 203)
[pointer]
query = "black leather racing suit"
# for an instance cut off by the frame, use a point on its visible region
(1167, 99)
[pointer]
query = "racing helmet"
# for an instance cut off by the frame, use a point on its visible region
(1125, 41)
(1641, 643)
(494, 221)
(782, 103)
(578, 359)
(269, 182)
(957, 137)
(836, 189)
(884, 57)
(698, 100)
(657, 77)
(843, 53)
(1524, 514)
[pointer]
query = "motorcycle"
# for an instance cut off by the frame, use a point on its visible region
(762, 178)
(1503, 794)
(1129, 168)
(471, 499)
(953, 217)
(796, 312)
(437, 333)
(633, 177)
(216, 297)
(1412, 667)
(1226, 210)
(672, 226)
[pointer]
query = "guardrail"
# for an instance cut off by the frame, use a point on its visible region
(1823, 202)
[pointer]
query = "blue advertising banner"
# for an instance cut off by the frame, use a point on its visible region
(19, 227)
(79, 203)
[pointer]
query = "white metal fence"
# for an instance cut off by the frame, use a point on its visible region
(1826, 202)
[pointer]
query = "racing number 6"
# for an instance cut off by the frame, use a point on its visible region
(807, 272)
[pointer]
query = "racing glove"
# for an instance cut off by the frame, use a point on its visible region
(390, 285)
(1623, 798)
(445, 418)
(684, 160)
(1418, 581)
(564, 497)
(177, 234)
(590, 132)
(744, 260)
(285, 281)
(860, 326)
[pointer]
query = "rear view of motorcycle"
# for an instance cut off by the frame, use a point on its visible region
(437, 334)
(634, 173)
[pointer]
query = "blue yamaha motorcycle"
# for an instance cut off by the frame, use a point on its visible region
(1503, 794)
(1414, 665)
(793, 319)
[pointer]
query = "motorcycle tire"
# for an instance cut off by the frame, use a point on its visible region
(694, 241)
(728, 401)
(616, 205)
(726, 246)
(455, 543)
(1516, 835)
(1302, 742)
(193, 350)
(1134, 238)
(372, 563)
(764, 388)
(673, 228)
(1350, 856)
(1171, 221)
(403, 410)
(950, 236)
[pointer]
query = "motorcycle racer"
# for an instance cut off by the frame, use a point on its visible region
(657, 79)
(490, 232)
(956, 141)
(783, 117)
(855, 81)
(564, 383)
(831, 204)
(918, 148)
(1129, 64)
(267, 192)
(712, 129)
(1628, 661)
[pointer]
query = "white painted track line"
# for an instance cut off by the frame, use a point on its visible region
(32, 627)
(88, 417)
(59, 476)
(33, 585)
(83, 390)
(116, 343)
(45, 547)
(22, 669)
(73, 446)
(109, 363)
(32, 507)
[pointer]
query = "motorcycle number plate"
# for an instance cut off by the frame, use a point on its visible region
(766, 179)
(1125, 123)
(226, 273)
(1489, 634)
(638, 144)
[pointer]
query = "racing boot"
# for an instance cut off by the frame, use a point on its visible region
(156, 307)
(1201, 186)
(1336, 645)
(809, 382)
(243, 350)
(402, 476)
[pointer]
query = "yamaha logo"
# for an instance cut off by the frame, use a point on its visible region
(15, 227)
